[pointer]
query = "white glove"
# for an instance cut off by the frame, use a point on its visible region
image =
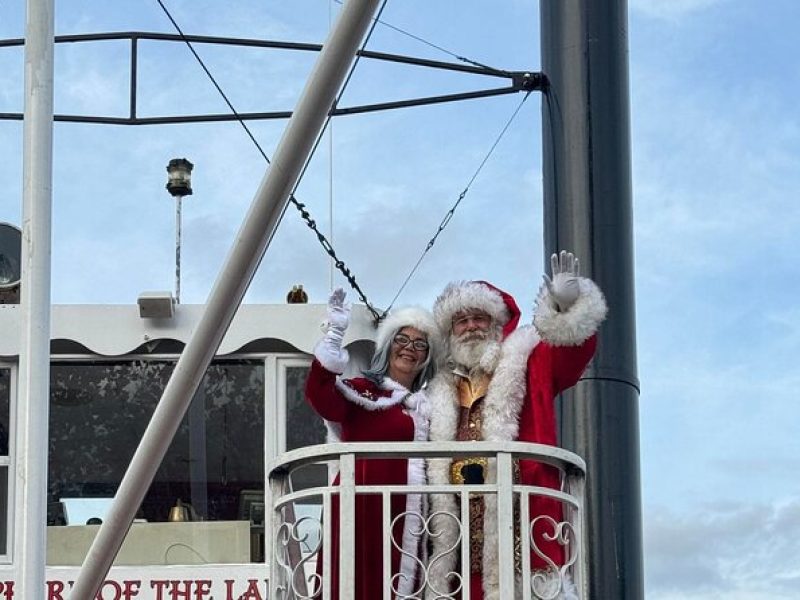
(564, 287)
(329, 351)
(338, 313)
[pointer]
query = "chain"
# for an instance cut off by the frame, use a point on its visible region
(339, 264)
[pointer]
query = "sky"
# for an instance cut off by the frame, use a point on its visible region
(715, 168)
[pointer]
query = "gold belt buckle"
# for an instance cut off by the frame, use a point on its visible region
(456, 467)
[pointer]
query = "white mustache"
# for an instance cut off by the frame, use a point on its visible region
(472, 336)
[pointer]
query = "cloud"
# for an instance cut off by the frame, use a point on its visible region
(725, 550)
(716, 173)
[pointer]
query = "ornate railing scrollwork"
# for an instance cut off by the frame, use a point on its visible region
(297, 583)
(436, 527)
(549, 565)
(553, 581)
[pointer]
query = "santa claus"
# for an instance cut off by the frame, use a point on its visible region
(498, 384)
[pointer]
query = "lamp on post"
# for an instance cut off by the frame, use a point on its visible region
(179, 184)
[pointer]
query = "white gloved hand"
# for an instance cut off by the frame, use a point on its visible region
(329, 350)
(564, 287)
(338, 312)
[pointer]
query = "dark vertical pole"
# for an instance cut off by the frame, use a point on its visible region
(587, 209)
(134, 75)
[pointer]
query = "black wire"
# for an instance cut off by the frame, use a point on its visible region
(340, 265)
(440, 48)
(449, 214)
(214, 81)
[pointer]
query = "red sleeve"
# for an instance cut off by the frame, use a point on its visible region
(322, 395)
(569, 362)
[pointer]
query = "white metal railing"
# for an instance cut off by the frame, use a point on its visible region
(296, 539)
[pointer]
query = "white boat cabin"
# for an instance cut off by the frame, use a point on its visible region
(200, 531)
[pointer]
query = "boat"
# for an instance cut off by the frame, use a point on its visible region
(236, 508)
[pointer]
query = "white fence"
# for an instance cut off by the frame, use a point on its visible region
(299, 536)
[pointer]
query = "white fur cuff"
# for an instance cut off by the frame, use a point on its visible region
(575, 326)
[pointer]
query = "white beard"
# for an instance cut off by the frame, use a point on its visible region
(476, 349)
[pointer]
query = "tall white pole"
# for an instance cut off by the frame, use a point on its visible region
(232, 282)
(34, 361)
(178, 202)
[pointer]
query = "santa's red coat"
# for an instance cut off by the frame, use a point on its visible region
(534, 364)
(551, 370)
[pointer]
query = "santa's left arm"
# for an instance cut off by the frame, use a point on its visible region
(569, 311)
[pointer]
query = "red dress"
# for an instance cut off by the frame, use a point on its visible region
(358, 410)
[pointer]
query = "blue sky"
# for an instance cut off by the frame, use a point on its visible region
(716, 173)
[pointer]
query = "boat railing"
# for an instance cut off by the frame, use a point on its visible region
(298, 539)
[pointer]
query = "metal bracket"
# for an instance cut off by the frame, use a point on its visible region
(529, 81)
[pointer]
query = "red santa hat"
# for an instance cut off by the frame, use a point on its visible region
(459, 296)
(409, 316)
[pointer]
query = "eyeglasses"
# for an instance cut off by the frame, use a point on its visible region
(482, 320)
(402, 340)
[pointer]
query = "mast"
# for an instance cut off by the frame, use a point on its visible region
(587, 210)
(248, 248)
(34, 359)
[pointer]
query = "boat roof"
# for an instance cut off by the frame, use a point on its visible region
(115, 330)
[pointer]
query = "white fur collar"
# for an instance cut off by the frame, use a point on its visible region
(415, 404)
(504, 397)
(398, 394)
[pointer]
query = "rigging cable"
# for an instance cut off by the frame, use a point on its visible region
(440, 49)
(306, 216)
(449, 214)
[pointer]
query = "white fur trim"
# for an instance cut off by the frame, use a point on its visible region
(444, 533)
(502, 405)
(490, 565)
(412, 530)
(548, 581)
(506, 392)
(409, 316)
(576, 325)
(399, 394)
(462, 295)
(333, 432)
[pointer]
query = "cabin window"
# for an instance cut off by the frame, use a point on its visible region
(5, 428)
(207, 495)
(303, 428)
